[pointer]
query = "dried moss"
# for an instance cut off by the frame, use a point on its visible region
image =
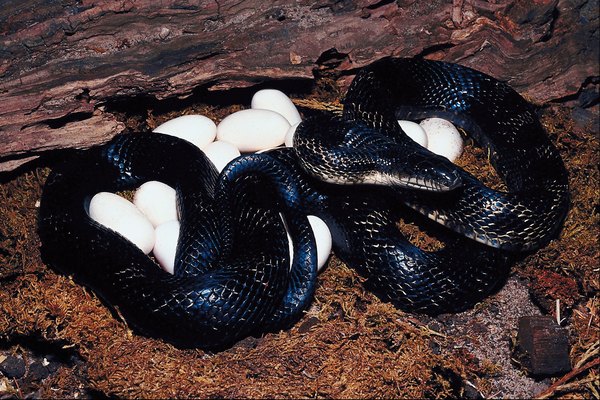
(18, 215)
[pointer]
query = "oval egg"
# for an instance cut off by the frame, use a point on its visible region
(289, 135)
(165, 246)
(220, 153)
(323, 241)
(443, 138)
(276, 100)
(414, 131)
(253, 130)
(157, 201)
(197, 129)
(322, 238)
(123, 217)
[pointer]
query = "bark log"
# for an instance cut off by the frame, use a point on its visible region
(64, 63)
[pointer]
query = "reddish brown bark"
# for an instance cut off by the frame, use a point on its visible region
(63, 62)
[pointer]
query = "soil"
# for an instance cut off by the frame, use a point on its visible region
(57, 339)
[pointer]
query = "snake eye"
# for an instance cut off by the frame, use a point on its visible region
(448, 180)
(419, 168)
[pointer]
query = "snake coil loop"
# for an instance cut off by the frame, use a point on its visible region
(233, 275)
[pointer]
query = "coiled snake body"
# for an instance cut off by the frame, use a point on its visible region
(358, 173)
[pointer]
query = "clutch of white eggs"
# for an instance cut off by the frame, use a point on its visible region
(151, 221)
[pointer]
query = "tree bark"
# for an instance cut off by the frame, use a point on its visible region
(64, 63)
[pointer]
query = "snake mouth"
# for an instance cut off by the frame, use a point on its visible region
(427, 180)
(424, 170)
(442, 183)
(416, 167)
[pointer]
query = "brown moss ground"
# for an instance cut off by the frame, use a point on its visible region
(349, 344)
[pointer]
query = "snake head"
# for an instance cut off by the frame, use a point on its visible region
(418, 168)
(351, 152)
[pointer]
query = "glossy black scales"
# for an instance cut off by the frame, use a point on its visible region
(368, 146)
(363, 221)
(358, 173)
(526, 217)
(232, 274)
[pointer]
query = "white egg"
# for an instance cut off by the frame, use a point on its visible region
(123, 217)
(275, 100)
(197, 129)
(443, 138)
(157, 201)
(290, 245)
(414, 131)
(221, 153)
(253, 130)
(289, 136)
(322, 239)
(165, 246)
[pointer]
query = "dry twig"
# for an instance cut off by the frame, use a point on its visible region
(560, 384)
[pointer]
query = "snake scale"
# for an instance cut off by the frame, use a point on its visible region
(359, 173)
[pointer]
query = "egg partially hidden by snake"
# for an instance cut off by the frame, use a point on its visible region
(359, 173)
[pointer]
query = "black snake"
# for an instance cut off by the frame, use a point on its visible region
(358, 173)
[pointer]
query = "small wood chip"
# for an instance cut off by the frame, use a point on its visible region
(543, 346)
